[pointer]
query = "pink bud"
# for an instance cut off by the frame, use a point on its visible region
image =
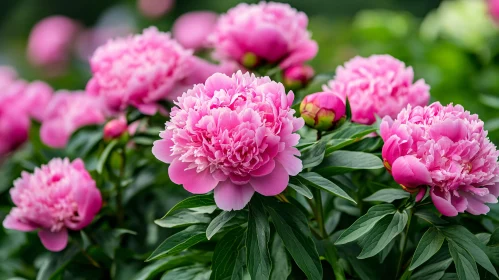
(192, 29)
(298, 76)
(115, 128)
(409, 172)
(322, 110)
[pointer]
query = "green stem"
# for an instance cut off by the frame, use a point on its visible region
(332, 257)
(319, 213)
(404, 243)
(119, 195)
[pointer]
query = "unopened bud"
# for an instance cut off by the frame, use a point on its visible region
(322, 110)
(298, 76)
(115, 128)
(249, 60)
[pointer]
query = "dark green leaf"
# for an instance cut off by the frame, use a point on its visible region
(226, 258)
(368, 144)
(56, 263)
(429, 216)
(387, 195)
(257, 240)
(183, 218)
(346, 206)
(281, 266)
(313, 155)
(464, 262)
(365, 223)
(150, 271)
(347, 134)
(179, 242)
(105, 155)
(494, 239)
(84, 140)
(317, 181)
(299, 187)
(429, 244)
(292, 226)
(346, 161)
(432, 271)
(219, 222)
(109, 239)
(449, 276)
(195, 272)
(199, 203)
(382, 233)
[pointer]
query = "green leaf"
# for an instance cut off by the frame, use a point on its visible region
(109, 239)
(465, 239)
(382, 233)
(55, 264)
(84, 140)
(346, 161)
(313, 155)
(387, 195)
(299, 187)
(195, 272)
(365, 223)
(226, 258)
(347, 134)
(449, 276)
(183, 218)
(257, 239)
(150, 271)
(105, 155)
(199, 203)
(430, 217)
(464, 262)
(219, 222)
(317, 181)
(281, 266)
(428, 246)
(179, 242)
(292, 226)
(494, 239)
(434, 269)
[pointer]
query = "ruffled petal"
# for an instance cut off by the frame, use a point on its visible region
(273, 183)
(230, 196)
(54, 241)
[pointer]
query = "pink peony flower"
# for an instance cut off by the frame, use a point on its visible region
(143, 69)
(233, 135)
(66, 113)
(58, 196)
(493, 6)
(379, 85)
(50, 43)
(115, 128)
(322, 110)
(447, 149)
(192, 29)
(269, 32)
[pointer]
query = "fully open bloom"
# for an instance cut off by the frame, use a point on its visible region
(379, 85)
(234, 135)
(269, 32)
(191, 30)
(58, 196)
(143, 69)
(66, 113)
(322, 110)
(446, 148)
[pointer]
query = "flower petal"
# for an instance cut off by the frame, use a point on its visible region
(410, 172)
(230, 196)
(162, 149)
(443, 205)
(265, 169)
(292, 164)
(54, 241)
(12, 222)
(192, 181)
(273, 183)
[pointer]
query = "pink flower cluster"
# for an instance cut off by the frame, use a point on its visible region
(66, 113)
(446, 148)
(19, 101)
(58, 196)
(272, 32)
(234, 135)
(379, 85)
(143, 69)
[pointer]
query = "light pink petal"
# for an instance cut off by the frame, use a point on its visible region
(272, 184)
(11, 222)
(264, 169)
(162, 150)
(410, 172)
(442, 204)
(54, 241)
(305, 52)
(89, 202)
(290, 162)
(229, 196)
(192, 181)
(475, 206)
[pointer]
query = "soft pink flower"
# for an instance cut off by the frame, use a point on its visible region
(233, 135)
(50, 43)
(143, 69)
(379, 85)
(322, 110)
(493, 6)
(115, 128)
(66, 113)
(192, 29)
(447, 149)
(54, 198)
(155, 8)
(272, 32)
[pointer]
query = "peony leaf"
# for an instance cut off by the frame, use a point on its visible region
(200, 203)
(194, 272)
(229, 256)
(171, 262)
(105, 155)
(428, 246)
(281, 266)
(387, 195)
(346, 161)
(313, 155)
(315, 180)
(179, 242)
(494, 239)
(183, 218)
(219, 222)
(464, 262)
(299, 187)
(257, 240)
(435, 267)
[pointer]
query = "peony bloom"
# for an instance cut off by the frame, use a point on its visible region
(56, 197)
(265, 32)
(446, 148)
(233, 135)
(322, 110)
(192, 29)
(379, 85)
(143, 69)
(66, 113)
(50, 43)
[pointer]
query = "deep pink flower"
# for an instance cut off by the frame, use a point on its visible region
(143, 69)
(379, 85)
(115, 128)
(272, 32)
(322, 110)
(191, 30)
(234, 135)
(50, 43)
(55, 197)
(66, 113)
(447, 149)
(493, 6)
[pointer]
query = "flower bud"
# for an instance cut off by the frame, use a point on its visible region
(249, 60)
(115, 128)
(322, 110)
(298, 76)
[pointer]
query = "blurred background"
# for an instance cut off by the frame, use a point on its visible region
(452, 44)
